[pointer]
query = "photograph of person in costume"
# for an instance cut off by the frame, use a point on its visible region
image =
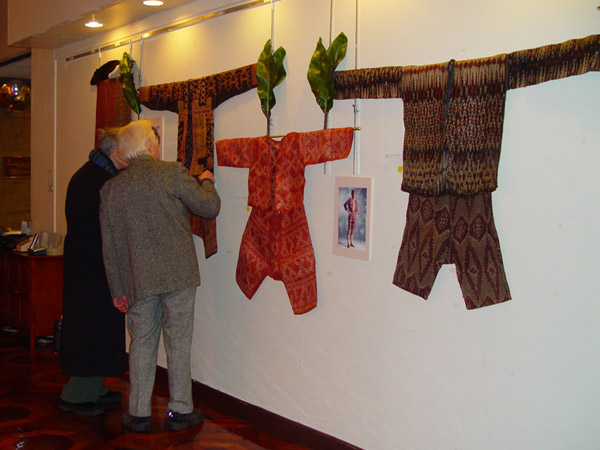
(352, 226)
(351, 207)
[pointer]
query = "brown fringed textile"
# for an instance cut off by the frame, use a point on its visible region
(454, 112)
(112, 109)
(194, 101)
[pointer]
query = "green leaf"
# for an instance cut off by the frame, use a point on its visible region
(321, 68)
(315, 74)
(129, 90)
(269, 73)
(337, 51)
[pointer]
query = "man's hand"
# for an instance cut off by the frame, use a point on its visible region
(121, 303)
(206, 175)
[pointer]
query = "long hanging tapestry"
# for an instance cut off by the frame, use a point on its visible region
(194, 101)
(112, 109)
(453, 118)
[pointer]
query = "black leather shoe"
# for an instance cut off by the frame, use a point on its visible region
(88, 409)
(110, 397)
(179, 422)
(135, 424)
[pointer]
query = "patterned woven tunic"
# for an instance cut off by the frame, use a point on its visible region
(453, 117)
(195, 101)
(112, 109)
(276, 240)
(454, 112)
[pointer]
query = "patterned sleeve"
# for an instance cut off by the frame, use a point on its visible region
(222, 86)
(201, 199)
(380, 82)
(325, 145)
(237, 152)
(553, 62)
(163, 96)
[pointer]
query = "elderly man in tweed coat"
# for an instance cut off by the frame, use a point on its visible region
(152, 269)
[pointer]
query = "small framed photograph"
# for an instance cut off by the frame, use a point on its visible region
(352, 217)
(157, 124)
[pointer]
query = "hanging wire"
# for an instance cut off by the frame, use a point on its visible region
(270, 118)
(330, 22)
(273, 23)
(356, 165)
(326, 165)
(141, 61)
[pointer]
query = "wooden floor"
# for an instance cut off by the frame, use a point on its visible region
(30, 418)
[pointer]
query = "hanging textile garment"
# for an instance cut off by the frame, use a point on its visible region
(453, 118)
(112, 109)
(276, 241)
(194, 101)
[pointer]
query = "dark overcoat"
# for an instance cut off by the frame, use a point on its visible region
(92, 341)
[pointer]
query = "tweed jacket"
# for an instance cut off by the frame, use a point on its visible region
(454, 111)
(147, 242)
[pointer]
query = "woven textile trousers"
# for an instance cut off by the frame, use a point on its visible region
(450, 229)
(278, 244)
(173, 313)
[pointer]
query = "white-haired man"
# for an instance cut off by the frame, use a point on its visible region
(152, 269)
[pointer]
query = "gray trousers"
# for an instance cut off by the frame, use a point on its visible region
(83, 389)
(172, 312)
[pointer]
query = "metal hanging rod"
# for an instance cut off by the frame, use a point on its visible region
(175, 26)
(284, 135)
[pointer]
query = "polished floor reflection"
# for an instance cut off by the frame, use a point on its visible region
(30, 418)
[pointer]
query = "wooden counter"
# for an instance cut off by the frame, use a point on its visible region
(31, 290)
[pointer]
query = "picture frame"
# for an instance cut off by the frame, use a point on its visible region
(352, 235)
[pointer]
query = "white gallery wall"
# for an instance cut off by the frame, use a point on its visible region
(374, 365)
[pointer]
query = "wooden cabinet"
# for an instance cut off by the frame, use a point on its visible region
(30, 293)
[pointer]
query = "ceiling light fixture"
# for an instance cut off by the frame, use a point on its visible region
(153, 2)
(93, 24)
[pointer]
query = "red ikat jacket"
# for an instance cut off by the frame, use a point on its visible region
(276, 180)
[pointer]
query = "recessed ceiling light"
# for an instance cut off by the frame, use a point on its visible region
(153, 2)
(93, 24)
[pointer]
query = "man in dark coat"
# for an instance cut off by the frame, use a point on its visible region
(92, 342)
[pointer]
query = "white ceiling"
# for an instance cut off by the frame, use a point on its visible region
(115, 15)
